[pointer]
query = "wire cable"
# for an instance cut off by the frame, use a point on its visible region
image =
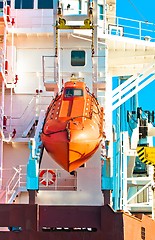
(137, 10)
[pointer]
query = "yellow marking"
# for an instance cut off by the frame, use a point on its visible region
(146, 155)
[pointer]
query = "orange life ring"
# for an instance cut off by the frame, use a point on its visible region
(47, 180)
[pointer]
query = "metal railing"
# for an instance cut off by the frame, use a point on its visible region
(16, 182)
(25, 119)
(132, 86)
(63, 181)
(142, 30)
(33, 18)
(125, 27)
(48, 68)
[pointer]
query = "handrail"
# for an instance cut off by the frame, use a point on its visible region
(131, 28)
(131, 86)
(45, 66)
(17, 183)
(138, 192)
(27, 107)
(125, 84)
(12, 185)
(29, 114)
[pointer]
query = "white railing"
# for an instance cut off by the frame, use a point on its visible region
(63, 181)
(131, 28)
(43, 19)
(33, 18)
(2, 61)
(148, 195)
(48, 68)
(22, 120)
(16, 183)
(26, 119)
(132, 86)
(126, 27)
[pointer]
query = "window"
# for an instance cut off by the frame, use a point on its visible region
(24, 4)
(73, 92)
(1, 4)
(29, 4)
(69, 92)
(78, 92)
(100, 12)
(45, 4)
(80, 5)
(77, 58)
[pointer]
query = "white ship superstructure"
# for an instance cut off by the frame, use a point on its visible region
(43, 44)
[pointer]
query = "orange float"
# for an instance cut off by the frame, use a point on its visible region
(73, 126)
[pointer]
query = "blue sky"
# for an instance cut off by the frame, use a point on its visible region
(137, 9)
(144, 11)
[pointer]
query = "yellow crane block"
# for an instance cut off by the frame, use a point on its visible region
(146, 155)
(61, 24)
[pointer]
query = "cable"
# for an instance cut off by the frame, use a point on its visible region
(137, 10)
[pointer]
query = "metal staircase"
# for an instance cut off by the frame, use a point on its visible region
(136, 191)
(15, 184)
(132, 86)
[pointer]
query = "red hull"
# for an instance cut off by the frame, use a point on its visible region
(73, 222)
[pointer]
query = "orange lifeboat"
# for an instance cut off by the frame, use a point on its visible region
(73, 126)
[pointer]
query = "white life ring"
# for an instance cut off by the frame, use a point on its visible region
(48, 180)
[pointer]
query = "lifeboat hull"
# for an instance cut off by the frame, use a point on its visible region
(69, 154)
(72, 130)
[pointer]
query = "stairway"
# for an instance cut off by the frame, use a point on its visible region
(132, 86)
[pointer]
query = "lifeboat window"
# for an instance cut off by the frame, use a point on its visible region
(78, 58)
(78, 92)
(70, 92)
